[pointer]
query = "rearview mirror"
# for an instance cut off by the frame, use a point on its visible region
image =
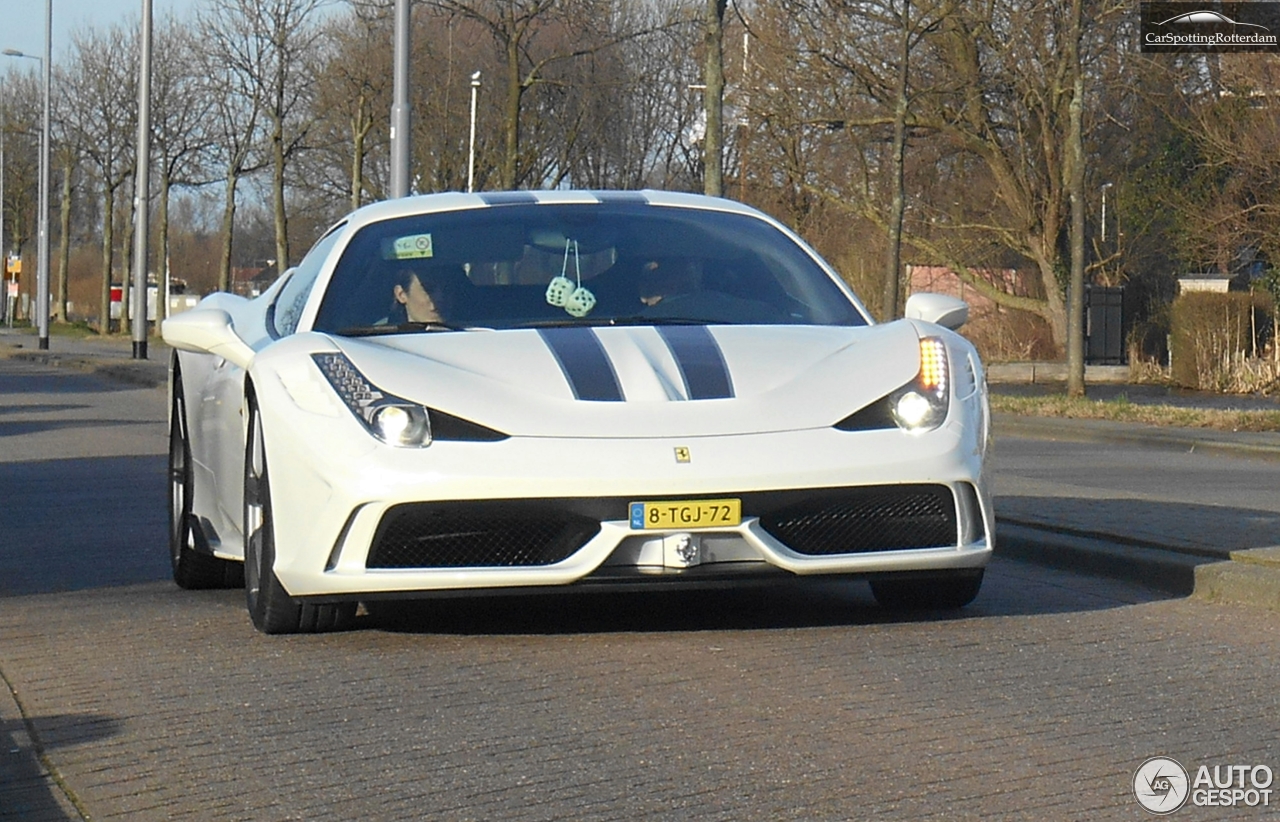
(946, 311)
(207, 331)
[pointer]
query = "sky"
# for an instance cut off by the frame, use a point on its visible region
(22, 21)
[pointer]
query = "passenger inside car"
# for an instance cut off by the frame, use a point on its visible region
(664, 279)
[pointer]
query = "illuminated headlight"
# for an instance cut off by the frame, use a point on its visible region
(402, 424)
(922, 404)
(391, 419)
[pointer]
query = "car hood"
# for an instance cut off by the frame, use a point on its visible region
(644, 381)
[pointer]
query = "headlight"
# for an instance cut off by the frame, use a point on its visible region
(922, 404)
(391, 419)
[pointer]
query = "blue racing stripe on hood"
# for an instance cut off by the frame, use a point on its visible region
(701, 362)
(584, 363)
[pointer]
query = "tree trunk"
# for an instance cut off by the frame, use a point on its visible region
(162, 229)
(357, 164)
(1075, 159)
(126, 272)
(511, 126)
(713, 100)
(893, 266)
(64, 244)
(108, 239)
(277, 197)
(228, 227)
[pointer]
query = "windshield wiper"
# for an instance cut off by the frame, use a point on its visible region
(402, 328)
(607, 321)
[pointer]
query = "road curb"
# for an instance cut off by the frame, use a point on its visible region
(1250, 577)
(143, 373)
(28, 780)
(1153, 566)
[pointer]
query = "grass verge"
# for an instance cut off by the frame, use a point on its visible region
(1121, 409)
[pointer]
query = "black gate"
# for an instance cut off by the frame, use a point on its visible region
(1104, 325)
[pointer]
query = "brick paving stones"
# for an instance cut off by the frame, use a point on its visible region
(1038, 702)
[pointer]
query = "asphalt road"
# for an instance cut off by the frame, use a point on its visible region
(1037, 702)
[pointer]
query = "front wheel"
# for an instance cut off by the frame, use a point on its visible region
(271, 609)
(935, 592)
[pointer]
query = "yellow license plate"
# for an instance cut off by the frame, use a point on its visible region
(698, 513)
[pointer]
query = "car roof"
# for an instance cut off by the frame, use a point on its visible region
(458, 201)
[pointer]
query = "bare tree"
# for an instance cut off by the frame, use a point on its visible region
(235, 123)
(182, 110)
(532, 36)
(624, 116)
(859, 60)
(20, 118)
(353, 94)
(100, 103)
(67, 158)
(269, 45)
(1011, 110)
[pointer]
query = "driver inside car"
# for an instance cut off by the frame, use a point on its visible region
(417, 297)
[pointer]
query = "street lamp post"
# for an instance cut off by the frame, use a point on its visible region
(1105, 186)
(471, 150)
(141, 191)
(400, 111)
(42, 265)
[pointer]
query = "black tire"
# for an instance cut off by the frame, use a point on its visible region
(946, 591)
(271, 609)
(194, 565)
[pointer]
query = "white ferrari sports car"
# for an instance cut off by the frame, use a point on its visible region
(518, 390)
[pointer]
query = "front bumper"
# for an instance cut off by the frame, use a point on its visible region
(330, 502)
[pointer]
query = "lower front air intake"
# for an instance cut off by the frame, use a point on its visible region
(482, 534)
(860, 520)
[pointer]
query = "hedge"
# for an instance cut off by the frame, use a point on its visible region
(1208, 331)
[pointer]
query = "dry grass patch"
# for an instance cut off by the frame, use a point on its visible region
(1122, 410)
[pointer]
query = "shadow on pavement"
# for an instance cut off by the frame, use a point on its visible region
(26, 790)
(1208, 530)
(82, 523)
(41, 409)
(1010, 589)
(44, 379)
(17, 429)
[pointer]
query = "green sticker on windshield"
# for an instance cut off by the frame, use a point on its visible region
(412, 247)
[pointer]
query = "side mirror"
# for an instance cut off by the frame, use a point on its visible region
(207, 331)
(948, 312)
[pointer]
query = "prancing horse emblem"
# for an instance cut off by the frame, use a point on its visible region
(682, 454)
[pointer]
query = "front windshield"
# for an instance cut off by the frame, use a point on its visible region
(528, 266)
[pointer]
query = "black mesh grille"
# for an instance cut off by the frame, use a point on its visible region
(856, 520)
(477, 535)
